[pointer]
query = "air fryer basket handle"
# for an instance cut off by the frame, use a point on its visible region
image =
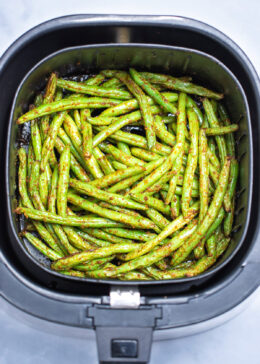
(124, 335)
(124, 344)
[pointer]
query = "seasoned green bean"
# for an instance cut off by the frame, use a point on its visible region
(80, 221)
(67, 104)
(204, 174)
(174, 83)
(152, 91)
(93, 90)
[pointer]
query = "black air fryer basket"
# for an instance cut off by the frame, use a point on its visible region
(125, 314)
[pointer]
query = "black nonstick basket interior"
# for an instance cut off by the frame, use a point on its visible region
(178, 61)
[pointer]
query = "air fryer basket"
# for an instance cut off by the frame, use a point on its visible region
(179, 61)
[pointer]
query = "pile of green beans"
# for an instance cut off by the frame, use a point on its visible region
(101, 202)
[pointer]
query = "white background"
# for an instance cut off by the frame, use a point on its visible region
(235, 342)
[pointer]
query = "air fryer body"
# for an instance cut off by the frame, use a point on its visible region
(168, 313)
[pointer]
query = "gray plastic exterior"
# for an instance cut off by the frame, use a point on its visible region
(176, 311)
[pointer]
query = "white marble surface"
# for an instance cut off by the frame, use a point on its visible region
(235, 342)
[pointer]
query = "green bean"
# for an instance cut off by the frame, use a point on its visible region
(151, 202)
(92, 239)
(222, 246)
(214, 105)
(73, 273)
(230, 140)
(93, 90)
(75, 151)
(49, 142)
(131, 234)
(162, 133)
(214, 174)
(162, 264)
(211, 245)
(72, 131)
(76, 116)
(213, 158)
(152, 91)
(213, 210)
(95, 80)
(34, 186)
(134, 276)
(39, 245)
(113, 82)
(112, 198)
(191, 162)
(124, 147)
(228, 220)
(175, 207)
(174, 83)
(221, 130)
(143, 104)
(94, 264)
(175, 225)
(43, 187)
(67, 104)
(143, 154)
(204, 174)
(63, 181)
(217, 222)
(53, 190)
(87, 139)
(120, 156)
(192, 104)
(142, 223)
(130, 105)
(213, 121)
(199, 251)
(81, 221)
(30, 159)
(117, 165)
(234, 169)
(36, 140)
(83, 257)
(76, 240)
(101, 234)
(181, 128)
(185, 264)
(157, 218)
(22, 176)
(103, 161)
(44, 122)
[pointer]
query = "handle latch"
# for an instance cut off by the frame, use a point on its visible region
(124, 328)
